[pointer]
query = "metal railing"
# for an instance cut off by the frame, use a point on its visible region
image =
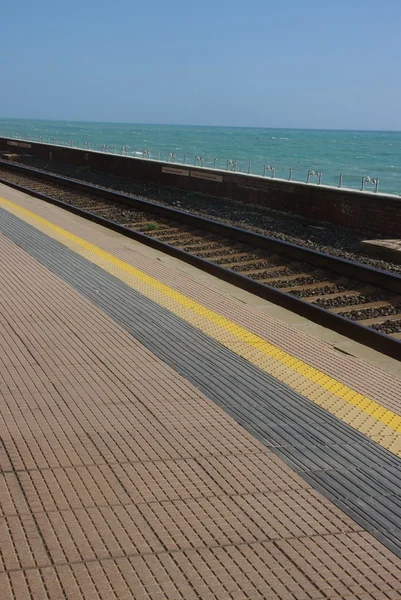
(365, 183)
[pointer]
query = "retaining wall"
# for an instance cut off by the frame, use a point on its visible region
(363, 210)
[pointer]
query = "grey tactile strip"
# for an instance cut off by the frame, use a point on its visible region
(357, 474)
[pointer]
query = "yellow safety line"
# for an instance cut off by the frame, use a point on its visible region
(350, 396)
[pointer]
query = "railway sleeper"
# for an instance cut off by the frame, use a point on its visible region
(364, 306)
(380, 319)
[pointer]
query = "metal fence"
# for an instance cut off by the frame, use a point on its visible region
(365, 183)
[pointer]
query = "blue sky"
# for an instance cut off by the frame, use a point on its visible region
(306, 63)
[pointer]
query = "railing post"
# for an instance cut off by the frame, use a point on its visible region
(340, 181)
(317, 174)
(370, 180)
(270, 168)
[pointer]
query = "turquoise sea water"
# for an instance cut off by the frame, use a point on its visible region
(354, 154)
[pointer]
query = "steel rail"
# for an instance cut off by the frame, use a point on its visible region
(352, 329)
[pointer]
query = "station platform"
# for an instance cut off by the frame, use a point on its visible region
(163, 437)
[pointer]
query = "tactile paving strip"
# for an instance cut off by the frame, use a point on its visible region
(46, 505)
(376, 419)
(317, 444)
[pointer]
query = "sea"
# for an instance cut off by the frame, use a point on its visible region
(358, 156)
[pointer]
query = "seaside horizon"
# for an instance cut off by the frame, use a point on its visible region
(161, 124)
(333, 152)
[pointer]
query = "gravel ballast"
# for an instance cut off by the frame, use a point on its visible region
(324, 237)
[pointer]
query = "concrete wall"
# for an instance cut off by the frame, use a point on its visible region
(374, 212)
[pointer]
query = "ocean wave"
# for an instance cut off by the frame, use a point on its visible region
(356, 153)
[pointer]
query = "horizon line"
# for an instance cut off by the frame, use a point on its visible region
(198, 125)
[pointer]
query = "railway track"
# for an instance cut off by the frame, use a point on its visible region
(354, 299)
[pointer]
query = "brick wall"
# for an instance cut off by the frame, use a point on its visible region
(375, 212)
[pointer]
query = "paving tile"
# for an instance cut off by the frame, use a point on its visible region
(121, 480)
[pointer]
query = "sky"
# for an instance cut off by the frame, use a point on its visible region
(330, 64)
